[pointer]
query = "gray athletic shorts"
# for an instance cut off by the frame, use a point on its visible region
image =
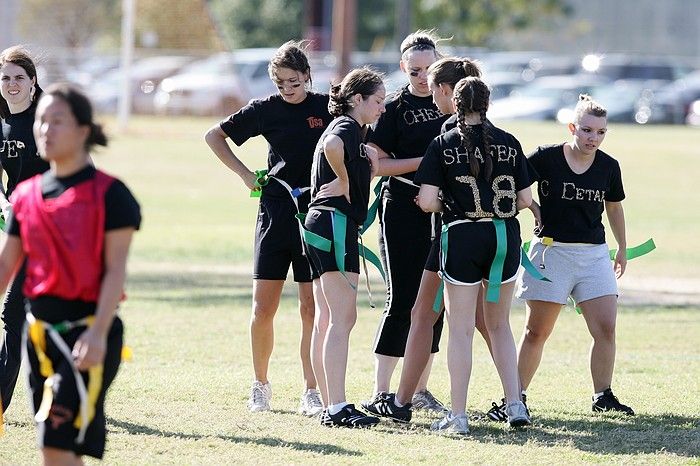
(583, 272)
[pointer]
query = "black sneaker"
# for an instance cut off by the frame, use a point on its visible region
(325, 418)
(386, 407)
(497, 412)
(609, 402)
(351, 417)
(371, 405)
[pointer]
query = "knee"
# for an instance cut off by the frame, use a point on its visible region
(423, 317)
(263, 312)
(604, 332)
(536, 336)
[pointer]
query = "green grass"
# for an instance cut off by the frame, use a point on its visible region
(181, 400)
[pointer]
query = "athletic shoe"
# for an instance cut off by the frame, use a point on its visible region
(325, 418)
(310, 403)
(350, 417)
(609, 402)
(497, 412)
(517, 414)
(371, 405)
(452, 424)
(260, 396)
(424, 400)
(386, 407)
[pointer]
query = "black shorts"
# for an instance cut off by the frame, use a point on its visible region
(277, 241)
(471, 249)
(321, 222)
(58, 431)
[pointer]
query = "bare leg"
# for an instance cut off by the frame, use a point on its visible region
(420, 337)
(266, 300)
(539, 323)
(383, 370)
(600, 314)
(460, 302)
(56, 457)
(306, 310)
(497, 320)
(423, 381)
(480, 323)
(318, 336)
(342, 305)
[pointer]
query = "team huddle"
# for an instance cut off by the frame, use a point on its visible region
(451, 185)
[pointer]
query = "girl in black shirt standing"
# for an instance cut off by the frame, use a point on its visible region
(401, 136)
(291, 122)
(341, 174)
(578, 181)
(19, 93)
(484, 180)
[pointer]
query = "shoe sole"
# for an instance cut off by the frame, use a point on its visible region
(515, 423)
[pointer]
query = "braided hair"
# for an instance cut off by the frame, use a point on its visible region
(471, 96)
(450, 70)
(292, 55)
(363, 81)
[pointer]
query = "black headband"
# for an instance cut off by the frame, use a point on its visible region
(421, 42)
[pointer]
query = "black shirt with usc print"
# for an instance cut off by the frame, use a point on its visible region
(291, 131)
(356, 164)
(407, 126)
(572, 204)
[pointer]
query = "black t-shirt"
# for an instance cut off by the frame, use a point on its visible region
(356, 164)
(407, 126)
(449, 124)
(291, 131)
(446, 166)
(121, 208)
(572, 205)
(18, 154)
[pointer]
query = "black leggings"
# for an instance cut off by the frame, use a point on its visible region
(13, 318)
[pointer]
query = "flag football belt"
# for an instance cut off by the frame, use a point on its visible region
(493, 290)
(38, 330)
(262, 179)
(632, 253)
(339, 226)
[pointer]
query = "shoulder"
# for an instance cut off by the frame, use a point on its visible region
(607, 159)
(392, 100)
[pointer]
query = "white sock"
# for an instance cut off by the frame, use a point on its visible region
(335, 409)
(597, 395)
(396, 402)
(522, 393)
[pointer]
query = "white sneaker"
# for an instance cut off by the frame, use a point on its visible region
(517, 414)
(452, 424)
(260, 396)
(310, 403)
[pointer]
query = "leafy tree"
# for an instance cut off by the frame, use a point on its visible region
(76, 23)
(178, 24)
(262, 23)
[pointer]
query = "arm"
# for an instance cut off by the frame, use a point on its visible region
(537, 213)
(4, 202)
(11, 256)
(333, 149)
(524, 198)
(389, 166)
(91, 346)
(428, 199)
(216, 139)
(616, 218)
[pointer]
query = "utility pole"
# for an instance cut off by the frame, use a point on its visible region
(344, 32)
(403, 20)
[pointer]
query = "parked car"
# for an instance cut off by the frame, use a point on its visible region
(621, 66)
(503, 83)
(210, 86)
(544, 97)
(671, 103)
(693, 117)
(146, 74)
(622, 99)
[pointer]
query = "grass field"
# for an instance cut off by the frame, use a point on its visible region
(181, 400)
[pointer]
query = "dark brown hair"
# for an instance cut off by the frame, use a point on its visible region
(471, 95)
(363, 81)
(422, 39)
(450, 70)
(292, 55)
(18, 55)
